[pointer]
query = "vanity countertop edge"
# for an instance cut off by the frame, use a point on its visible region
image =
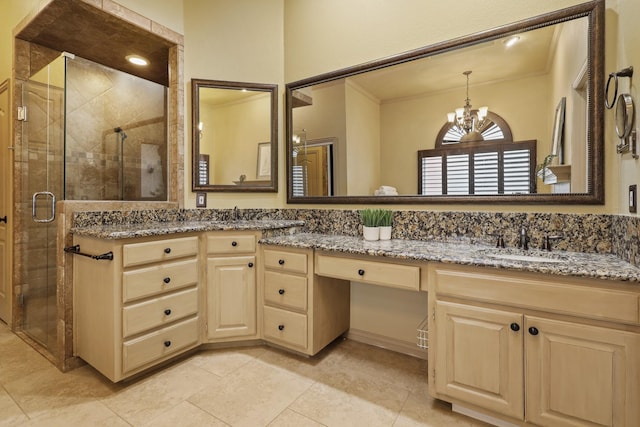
(561, 263)
(577, 264)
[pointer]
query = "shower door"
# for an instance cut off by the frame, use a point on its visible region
(42, 185)
(5, 205)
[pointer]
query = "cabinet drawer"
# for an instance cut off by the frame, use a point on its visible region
(285, 261)
(160, 250)
(285, 326)
(158, 279)
(554, 294)
(286, 290)
(157, 345)
(377, 273)
(231, 244)
(166, 309)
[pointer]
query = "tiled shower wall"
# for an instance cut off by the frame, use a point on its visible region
(99, 100)
(579, 232)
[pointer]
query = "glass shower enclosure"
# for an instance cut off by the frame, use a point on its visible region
(89, 132)
(42, 184)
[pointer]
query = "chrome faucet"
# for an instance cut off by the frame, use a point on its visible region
(524, 239)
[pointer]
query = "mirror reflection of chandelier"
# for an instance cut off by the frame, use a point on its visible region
(467, 121)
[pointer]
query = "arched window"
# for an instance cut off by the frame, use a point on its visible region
(493, 128)
(487, 162)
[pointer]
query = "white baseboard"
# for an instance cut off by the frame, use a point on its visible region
(389, 343)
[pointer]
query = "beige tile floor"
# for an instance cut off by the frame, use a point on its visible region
(348, 384)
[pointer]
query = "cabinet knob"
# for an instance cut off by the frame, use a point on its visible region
(515, 327)
(533, 330)
(3, 219)
(280, 327)
(167, 250)
(281, 291)
(361, 272)
(166, 279)
(167, 311)
(234, 243)
(167, 343)
(281, 261)
(250, 265)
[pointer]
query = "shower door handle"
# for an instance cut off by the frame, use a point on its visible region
(34, 200)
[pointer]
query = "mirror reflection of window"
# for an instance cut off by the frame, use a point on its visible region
(492, 169)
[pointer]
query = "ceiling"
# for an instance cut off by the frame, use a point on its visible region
(490, 62)
(219, 96)
(76, 27)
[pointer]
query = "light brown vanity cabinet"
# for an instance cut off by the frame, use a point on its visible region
(231, 291)
(140, 308)
(371, 271)
(301, 311)
(545, 350)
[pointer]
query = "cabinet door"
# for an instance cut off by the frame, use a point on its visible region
(231, 297)
(479, 357)
(580, 375)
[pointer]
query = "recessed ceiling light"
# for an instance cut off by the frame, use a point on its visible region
(137, 60)
(511, 41)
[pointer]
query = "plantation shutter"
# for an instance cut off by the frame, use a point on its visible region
(485, 168)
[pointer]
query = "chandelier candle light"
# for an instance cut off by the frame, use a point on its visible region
(468, 121)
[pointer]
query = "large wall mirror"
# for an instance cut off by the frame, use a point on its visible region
(510, 115)
(234, 136)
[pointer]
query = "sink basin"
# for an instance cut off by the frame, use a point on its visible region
(525, 258)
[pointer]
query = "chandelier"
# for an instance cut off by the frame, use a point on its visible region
(466, 121)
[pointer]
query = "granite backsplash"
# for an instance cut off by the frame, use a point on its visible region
(577, 232)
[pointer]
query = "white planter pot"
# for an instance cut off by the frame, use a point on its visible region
(370, 233)
(385, 232)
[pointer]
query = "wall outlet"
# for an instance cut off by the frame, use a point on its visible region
(201, 200)
(633, 198)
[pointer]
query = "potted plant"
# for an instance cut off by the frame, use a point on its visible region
(370, 219)
(385, 222)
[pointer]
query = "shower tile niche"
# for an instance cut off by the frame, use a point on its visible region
(116, 135)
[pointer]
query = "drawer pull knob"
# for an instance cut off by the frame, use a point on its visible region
(281, 261)
(234, 243)
(281, 291)
(167, 343)
(361, 272)
(166, 279)
(533, 330)
(250, 265)
(280, 327)
(167, 311)
(515, 327)
(167, 250)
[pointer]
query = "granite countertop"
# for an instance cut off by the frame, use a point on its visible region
(597, 266)
(127, 231)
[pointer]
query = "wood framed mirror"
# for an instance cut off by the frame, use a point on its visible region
(234, 136)
(392, 109)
